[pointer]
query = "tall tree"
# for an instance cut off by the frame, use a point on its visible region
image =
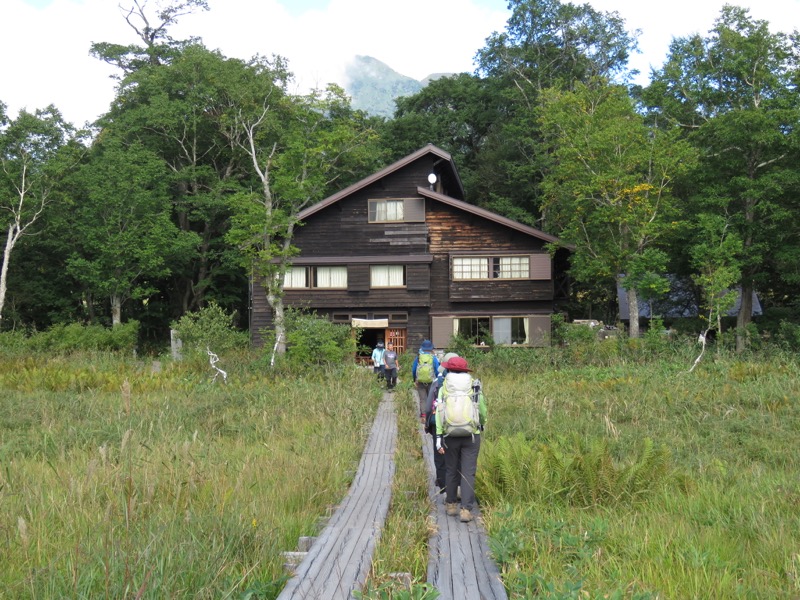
(546, 44)
(35, 153)
(151, 26)
(734, 93)
(181, 112)
(608, 189)
(299, 148)
(124, 224)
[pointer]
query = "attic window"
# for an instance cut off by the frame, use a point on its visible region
(397, 210)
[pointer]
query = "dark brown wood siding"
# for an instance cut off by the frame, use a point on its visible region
(452, 232)
(340, 234)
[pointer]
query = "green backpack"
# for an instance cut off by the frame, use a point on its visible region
(425, 368)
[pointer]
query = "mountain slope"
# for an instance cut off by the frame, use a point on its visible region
(373, 85)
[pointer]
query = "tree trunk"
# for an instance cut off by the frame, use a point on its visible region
(13, 236)
(275, 301)
(116, 310)
(633, 313)
(744, 317)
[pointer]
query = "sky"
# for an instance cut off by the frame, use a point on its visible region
(45, 43)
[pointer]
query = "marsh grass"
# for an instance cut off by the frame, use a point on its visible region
(605, 472)
(716, 516)
(118, 481)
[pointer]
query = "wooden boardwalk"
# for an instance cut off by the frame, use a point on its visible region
(460, 566)
(340, 559)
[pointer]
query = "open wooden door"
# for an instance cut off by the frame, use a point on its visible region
(398, 338)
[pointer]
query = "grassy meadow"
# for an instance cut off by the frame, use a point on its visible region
(608, 471)
(118, 480)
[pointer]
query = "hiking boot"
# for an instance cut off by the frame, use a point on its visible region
(466, 515)
(451, 508)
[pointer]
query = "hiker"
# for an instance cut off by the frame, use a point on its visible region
(391, 365)
(423, 371)
(460, 418)
(377, 361)
(428, 418)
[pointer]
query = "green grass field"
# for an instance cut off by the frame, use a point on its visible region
(607, 476)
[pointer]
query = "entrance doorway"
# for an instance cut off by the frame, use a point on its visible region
(370, 336)
(397, 336)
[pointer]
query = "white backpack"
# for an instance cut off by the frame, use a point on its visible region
(458, 404)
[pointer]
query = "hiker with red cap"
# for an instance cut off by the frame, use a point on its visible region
(460, 419)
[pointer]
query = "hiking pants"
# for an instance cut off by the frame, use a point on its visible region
(441, 467)
(391, 377)
(422, 392)
(461, 460)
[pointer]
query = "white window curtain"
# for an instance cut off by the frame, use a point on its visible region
(295, 277)
(389, 210)
(331, 277)
(514, 267)
(387, 276)
(470, 268)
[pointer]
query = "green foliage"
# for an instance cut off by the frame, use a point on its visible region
(74, 337)
(514, 468)
(392, 590)
(209, 328)
(788, 335)
(314, 341)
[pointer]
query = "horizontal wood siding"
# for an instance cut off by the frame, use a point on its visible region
(357, 278)
(500, 291)
(260, 314)
(418, 277)
(419, 328)
(452, 232)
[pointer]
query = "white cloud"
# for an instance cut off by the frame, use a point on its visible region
(46, 50)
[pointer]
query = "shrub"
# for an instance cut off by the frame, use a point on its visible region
(315, 341)
(210, 328)
(75, 337)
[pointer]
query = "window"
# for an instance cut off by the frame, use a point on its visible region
(510, 330)
(470, 268)
(382, 276)
(499, 330)
(381, 211)
(476, 330)
(396, 210)
(511, 267)
(491, 267)
(315, 277)
(295, 277)
(330, 277)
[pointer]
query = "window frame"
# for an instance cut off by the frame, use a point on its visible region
(491, 270)
(372, 215)
(311, 277)
(372, 285)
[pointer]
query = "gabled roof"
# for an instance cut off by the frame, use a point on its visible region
(396, 166)
(427, 193)
(487, 214)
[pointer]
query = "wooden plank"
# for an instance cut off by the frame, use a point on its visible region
(459, 564)
(340, 559)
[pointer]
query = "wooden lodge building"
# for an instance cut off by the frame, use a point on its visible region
(401, 255)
